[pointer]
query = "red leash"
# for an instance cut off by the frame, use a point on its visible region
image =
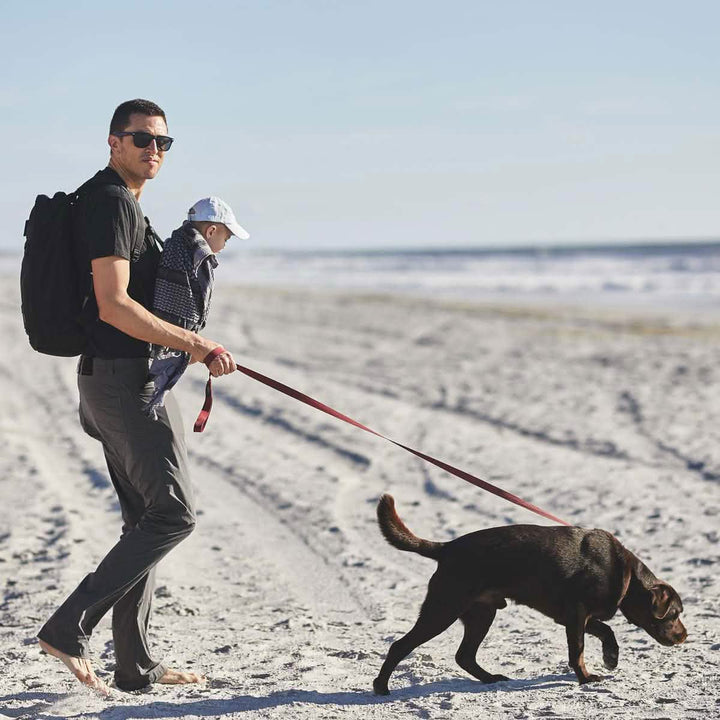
(489, 487)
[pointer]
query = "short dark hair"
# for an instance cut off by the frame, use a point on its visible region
(121, 116)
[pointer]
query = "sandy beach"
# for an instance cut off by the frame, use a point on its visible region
(287, 597)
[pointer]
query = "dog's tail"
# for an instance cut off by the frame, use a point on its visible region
(397, 533)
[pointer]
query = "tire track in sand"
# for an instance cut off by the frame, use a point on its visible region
(286, 545)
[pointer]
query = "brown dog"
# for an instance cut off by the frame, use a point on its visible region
(576, 577)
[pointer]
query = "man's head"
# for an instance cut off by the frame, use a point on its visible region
(215, 221)
(131, 126)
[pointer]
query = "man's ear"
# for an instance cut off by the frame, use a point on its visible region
(113, 142)
(661, 598)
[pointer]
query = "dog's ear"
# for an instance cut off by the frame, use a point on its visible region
(662, 596)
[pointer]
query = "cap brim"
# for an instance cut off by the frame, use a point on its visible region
(238, 231)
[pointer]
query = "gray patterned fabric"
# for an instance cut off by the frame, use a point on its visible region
(185, 277)
(183, 290)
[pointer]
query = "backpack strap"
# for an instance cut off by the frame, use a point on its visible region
(152, 237)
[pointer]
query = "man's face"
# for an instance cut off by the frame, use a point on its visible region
(139, 163)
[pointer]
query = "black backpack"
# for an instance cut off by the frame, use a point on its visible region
(53, 287)
(55, 279)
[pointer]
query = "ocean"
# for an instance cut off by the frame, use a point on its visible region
(661, 274)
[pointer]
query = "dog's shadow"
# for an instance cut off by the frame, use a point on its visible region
(249, 703)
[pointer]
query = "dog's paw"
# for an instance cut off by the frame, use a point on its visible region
(496, 678)
(380, 688)
(610, 658)
(590, 678)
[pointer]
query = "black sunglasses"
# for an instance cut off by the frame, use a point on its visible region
(142, 139)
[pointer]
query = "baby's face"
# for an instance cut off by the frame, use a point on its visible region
(217, 236)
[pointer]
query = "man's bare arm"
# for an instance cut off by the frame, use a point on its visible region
(111, 276)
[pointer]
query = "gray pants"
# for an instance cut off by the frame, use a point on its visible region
(147, 461)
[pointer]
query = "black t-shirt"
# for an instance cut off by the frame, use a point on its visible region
(110, 222)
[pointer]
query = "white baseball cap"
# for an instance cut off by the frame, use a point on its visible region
(213, 209)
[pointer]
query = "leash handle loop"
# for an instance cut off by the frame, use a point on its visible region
(204, 415)
(219, 350)
(202, 418)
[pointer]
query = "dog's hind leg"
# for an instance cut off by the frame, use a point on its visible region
(611, 651)
(443, 605)
(477, 620)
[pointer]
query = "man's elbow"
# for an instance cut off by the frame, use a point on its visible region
(105, 315)
(110, 310)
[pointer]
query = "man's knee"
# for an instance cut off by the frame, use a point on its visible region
(181, 523)
(189, 525)
(169, 518)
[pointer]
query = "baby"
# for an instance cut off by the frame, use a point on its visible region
(184, 283)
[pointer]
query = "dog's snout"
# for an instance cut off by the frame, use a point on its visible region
(675, 635)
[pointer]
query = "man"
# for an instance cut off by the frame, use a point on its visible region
(146, 458)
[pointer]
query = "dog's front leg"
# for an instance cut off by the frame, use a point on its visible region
(611, 651)
(577, 618)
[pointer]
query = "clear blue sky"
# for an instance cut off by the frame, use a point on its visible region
(380, 123)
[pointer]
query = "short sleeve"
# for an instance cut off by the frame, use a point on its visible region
(109, 224)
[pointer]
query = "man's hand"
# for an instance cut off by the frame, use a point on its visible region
(223, 364)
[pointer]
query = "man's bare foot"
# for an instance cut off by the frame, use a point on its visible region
(80, 668)
(177, 677)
